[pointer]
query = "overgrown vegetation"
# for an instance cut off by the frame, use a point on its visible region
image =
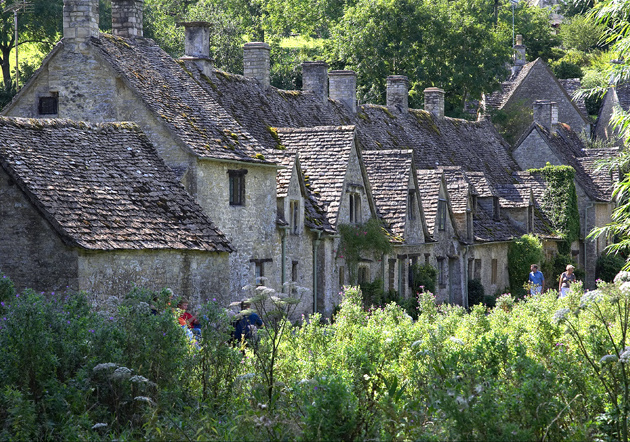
(359, 241)
(522, 253)
(538, 369)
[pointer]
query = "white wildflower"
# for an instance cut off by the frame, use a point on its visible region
(608, 359)
(105, 366)
(456, 340)
(625, 287)
(145, 399)
(625, 356)
(122, 373)
(590, 297)
(388, 340)
(245, 377)
(138, 379)
(99, 425)
(560, 315)
(416, 344)
(478, 388)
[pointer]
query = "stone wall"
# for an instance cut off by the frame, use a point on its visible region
(485, 253)
(197, 276)
(540, 85)
(31, 252)
(534, 153)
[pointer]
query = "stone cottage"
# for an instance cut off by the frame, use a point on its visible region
(617, 97)
(93, 207)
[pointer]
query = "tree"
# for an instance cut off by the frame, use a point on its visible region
(581, 33)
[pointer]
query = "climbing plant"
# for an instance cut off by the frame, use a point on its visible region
(361, 240)
(559, 201)
(522, 253)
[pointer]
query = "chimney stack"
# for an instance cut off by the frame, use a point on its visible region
(343, 87)
(434, 101)
(315, 79)
(80, 19)
(197, 45)
(256, 62)
(519, 55)
(546, 114)
(127, 18)
(398, 93)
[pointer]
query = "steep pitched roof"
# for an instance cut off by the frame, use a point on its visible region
(603, 177)
(103, 186)
(538, 185)
(324, 154)
(389, 172)
(572, 85)
(175, 97)
(458, 188)
(512, 196)
(429, 182)
(435, 141)
(487, 229)
(480, 183)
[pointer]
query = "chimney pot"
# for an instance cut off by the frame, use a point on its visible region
(127, 18)
(315, 78)
(398, 93)
(256, 62)
(343, 87)
(546, 114)
(80, 19)
(197, 45)
(519, 53)
(434, 101)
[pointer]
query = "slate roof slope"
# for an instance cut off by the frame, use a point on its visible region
(389, 174)
(458, 188)
(103, 186)
(570, 148)
(481, 185)
(572, 85)
(176, 98)
(603, 177)
(324, 153)
(512, 196)
(429, 188)
(487, 229)
(448, 142)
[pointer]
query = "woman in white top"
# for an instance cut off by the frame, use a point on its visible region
(566, 279)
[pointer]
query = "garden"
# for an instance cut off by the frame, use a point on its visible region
(537, 368)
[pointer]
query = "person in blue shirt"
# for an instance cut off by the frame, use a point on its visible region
(536, 280)
(245, 326)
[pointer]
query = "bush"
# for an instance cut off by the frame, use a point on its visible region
(476, 293)
(424, 278)
(608, 266)
(522, 253)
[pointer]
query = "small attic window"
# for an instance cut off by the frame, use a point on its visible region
(237, 187)
(441, 215)
(48, 105)
(411, 203)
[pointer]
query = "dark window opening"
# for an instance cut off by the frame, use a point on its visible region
(495, 272)
(294, 211)
(441, 214)
(237, 187)
(477, 268)
(411, 203)
(441, 272)
(48, 105)
(294, 271)
(364, 275)
(342, 276)
(355, 208)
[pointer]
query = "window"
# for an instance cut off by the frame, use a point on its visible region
(294, 271)
(477, 268)
(390, 273)
(364, 274)
(237, 187)
(471, 268)
(412, 262)
(441, 272)
(48, 105)
(441, 215)
(342, 276)
(411, 204)
(294, 213)
(355, 208)
(495, 272)
(259, 270)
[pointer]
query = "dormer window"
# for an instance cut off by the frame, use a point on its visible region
(355, 208)
(441, 214)
(411, 204)
(48, 105)
(294, 213)
(237, 187)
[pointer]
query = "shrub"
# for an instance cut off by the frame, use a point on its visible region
(522, 253)
(7, 289)
(476, 293)
(424, 278)
(608, 266)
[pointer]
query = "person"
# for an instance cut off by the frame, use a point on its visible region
(536, 280)
(187, 319)
(566, 279)
(245, 325)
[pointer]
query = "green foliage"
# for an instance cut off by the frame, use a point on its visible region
(522, 253)
(559, 201)
(513, 121)
(566, 69)
(7, 289)
(608, 266)
(476, 292)
(581, 34)
(556, 265)
(361, 239)
(424, 278)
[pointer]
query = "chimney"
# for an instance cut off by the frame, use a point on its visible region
(546, 114)
(519, 55)
(127, 18)
(256, 62)
(315, 79)
(197, 45)
(434, 101)
(343, 87)
(80, 19)
(398, 93)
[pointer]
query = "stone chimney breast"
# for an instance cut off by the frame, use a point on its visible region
(196, 39)
(434, 101)
(546, 114)
(80, 19)
(343, 87)
(127, 18)
(519, 52)
(315, 78)
(398, 93)
(256, 62)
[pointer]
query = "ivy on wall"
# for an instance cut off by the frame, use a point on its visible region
(522, 253)
(359, 240)
(559, 202)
